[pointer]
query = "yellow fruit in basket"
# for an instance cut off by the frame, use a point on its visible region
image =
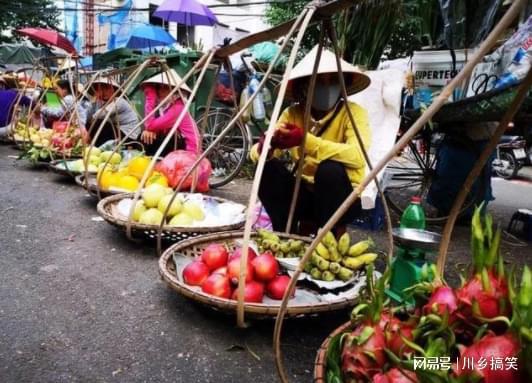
(193, 210)
(138, 166)
(45, 142)
(107, 179)
(95, 160)
(181, 219)
(92, 168)
(151, 217)
(115, 159)
(153, 194)
(157, 178)
(35, 138)
(175, 207)
(93, 152)
(140, 208)
(129, 183)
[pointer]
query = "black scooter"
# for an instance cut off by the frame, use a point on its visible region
(511, 155)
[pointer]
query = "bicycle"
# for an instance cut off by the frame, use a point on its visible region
(229, 155)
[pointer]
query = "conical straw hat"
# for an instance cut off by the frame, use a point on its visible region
(103, 80)
(168, 78)
(355, 80)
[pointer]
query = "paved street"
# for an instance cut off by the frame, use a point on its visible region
(80, 303)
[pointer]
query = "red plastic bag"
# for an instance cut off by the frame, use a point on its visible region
(176, 164)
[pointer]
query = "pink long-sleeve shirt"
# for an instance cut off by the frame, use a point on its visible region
(163, 123)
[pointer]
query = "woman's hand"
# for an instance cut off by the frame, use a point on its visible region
(148, 137)
(287, 136)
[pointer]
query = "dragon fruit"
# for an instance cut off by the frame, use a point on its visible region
(396, 376)
(363, 352)
(442, 301)
(394, 332)
(484, 296)
(501, 348)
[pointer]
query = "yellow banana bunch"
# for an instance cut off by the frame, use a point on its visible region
(354, 263)
(360, 247)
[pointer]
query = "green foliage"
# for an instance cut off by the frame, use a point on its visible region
(27, 13)
(418, 25)
(373, 28)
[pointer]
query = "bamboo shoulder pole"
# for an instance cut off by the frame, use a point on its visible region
(205, 60)
(490, 41)
(308, 12)
(306, 123)
(389, 235)
(477, 169)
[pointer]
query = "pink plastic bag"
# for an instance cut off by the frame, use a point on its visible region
(177, 163)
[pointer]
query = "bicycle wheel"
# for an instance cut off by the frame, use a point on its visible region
(229, 155)
(412, 173)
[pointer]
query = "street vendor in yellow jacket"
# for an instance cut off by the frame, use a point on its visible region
(333, 162)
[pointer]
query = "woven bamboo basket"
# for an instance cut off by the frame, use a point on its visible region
(320, 364)
(107, 208)
(55, 167)
(92, 188)
(305, 302)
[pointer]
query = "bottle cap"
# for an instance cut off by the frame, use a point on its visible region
(416, 199)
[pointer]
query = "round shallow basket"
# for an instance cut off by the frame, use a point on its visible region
(92, 187)
(108, 210)
(307, 301)
(55, 167)
(320, 364)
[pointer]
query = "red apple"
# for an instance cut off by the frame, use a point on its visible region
(233, 271)
(253, 292)
(195, 273)
(215, 256)
(276, 287)
(265, 267)
(237, 253)
(217, 285)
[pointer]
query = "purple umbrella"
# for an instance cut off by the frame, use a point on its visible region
(187, 12)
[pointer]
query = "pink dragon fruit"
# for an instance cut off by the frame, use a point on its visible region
(394, 332)
(363, 352)
(443, 301)
(484, 296)
(503, 347)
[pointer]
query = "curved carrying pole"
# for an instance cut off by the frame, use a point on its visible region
(295, 26)
(477, 169)
(308, 12)
(246, 105)
(204, 61)
(306, 126)
(389, 235)
(466, 71)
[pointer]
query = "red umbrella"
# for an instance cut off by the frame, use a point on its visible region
(49, 37)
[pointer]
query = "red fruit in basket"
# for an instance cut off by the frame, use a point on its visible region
(277, 286)
(233, 271)
(491, 348)
(215, 256)
(237, 253)
(363, 353)
(221, 270)
(396, 376)
(195, 273)
(394, 332)
(443, 300)
(253, 292)
(217, 285)
(266, 267)
(489, 301)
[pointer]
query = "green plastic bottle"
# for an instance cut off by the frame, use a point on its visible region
(413, 216)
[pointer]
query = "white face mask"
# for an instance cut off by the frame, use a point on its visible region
(325, 96)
